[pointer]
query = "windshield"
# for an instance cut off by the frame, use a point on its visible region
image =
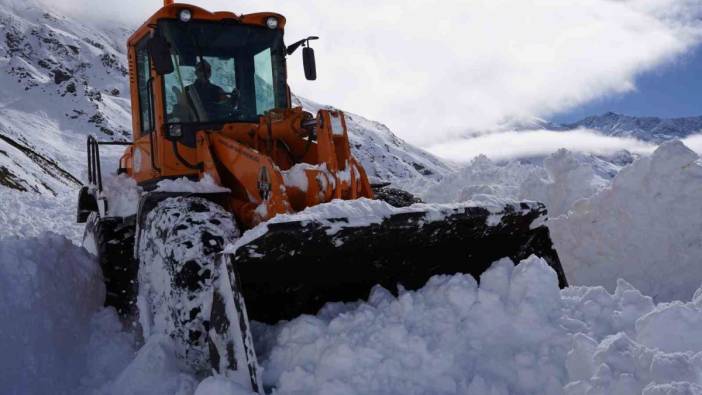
(223, 72)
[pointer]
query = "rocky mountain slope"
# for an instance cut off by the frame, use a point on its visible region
(61, 80)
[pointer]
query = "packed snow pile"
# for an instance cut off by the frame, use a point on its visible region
(516, 333)
(482, 178)
(25, 214)
(54, 336)
(644, 228)
(569, 179)
(557, 180)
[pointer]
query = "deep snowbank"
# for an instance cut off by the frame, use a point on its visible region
(514, 334)
(24, 214)
(644, 228)
(53, 336)
(558, 180)
(611, 218)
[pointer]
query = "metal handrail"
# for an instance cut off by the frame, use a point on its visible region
(94, 170)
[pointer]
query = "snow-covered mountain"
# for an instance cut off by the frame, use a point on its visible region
(61, 80)
(651, 129)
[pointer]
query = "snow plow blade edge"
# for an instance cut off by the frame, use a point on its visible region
(297, 267)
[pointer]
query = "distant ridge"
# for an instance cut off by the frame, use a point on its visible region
(652, 129)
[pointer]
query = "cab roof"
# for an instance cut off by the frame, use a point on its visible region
(172, 11)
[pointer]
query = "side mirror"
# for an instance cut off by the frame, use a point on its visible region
(307, 56)
(160, 53)
(309, 63)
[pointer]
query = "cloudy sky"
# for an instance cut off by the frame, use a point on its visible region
(433, 70)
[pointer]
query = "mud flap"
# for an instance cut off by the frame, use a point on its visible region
(297, 267)
(231, 345)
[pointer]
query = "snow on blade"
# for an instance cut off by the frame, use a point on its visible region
(205, 185)
(361, 213)
(516, 333)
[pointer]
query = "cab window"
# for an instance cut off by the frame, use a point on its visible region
(143, 82)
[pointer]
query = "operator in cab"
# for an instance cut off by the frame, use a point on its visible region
(203, 100)
(202, 90)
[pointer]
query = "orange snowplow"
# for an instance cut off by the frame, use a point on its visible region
(211, 106)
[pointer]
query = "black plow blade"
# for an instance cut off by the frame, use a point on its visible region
(297, 267)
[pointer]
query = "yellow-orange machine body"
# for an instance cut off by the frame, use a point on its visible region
(281, 162)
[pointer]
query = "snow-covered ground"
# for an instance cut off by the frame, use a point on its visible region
(516, 333)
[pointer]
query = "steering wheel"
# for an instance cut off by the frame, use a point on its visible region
(233, 97)
(230, 105)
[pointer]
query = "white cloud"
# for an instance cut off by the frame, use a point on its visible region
(509, 145)
(694, 142)
(432, 70)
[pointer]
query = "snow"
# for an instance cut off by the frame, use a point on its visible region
(515, 333)
(219, 385)
(25, 215)
(205, 185)
(340, 214)
(506, 336)
(154, 371)
(644, 228)
(666, 328)
(55, 336)
(557, 180)
(569, 180)
(610, 217)
(62, 80)
(122, 194)
(296, 176)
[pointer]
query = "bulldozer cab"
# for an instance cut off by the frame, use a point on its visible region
(244, 56)
(222, 71)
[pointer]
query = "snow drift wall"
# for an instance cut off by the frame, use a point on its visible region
(558, 180)
(646, 228)
(53, 337)
(516, 333)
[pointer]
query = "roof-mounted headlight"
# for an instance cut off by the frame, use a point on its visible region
(185, 15)
(272, 22)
